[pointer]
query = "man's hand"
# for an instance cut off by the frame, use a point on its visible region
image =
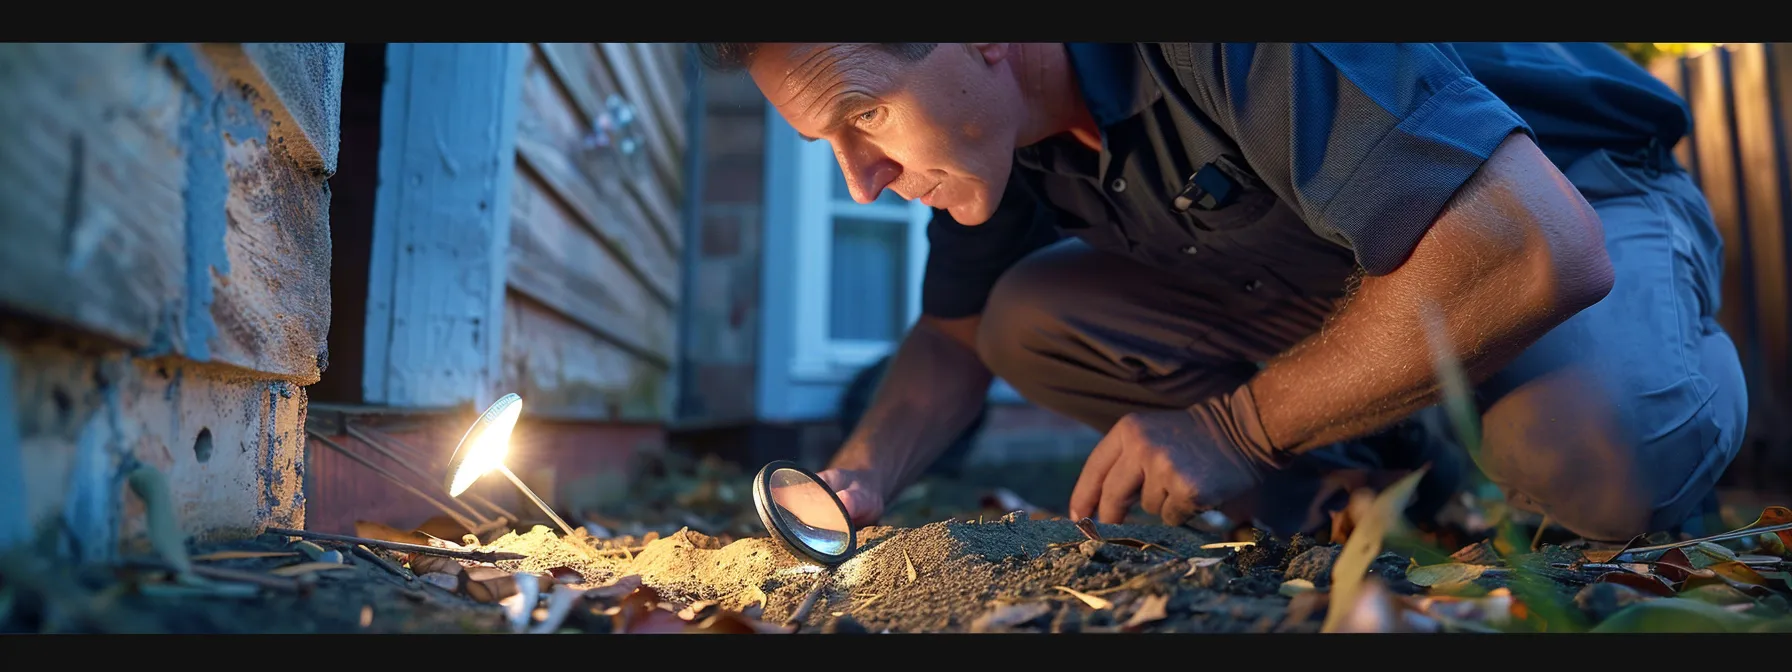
(860, 490)
(1175, 463)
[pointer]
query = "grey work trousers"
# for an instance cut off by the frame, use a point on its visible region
(1639, 397)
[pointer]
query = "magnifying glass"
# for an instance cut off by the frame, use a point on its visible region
(482, 450)
(803, 514)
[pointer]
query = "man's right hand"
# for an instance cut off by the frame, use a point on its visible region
(860, 490)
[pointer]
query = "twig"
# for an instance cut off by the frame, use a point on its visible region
(458, 518)
(374, 444)
(418, 455)
(222, 574)
(802, 610)
(458, 554)
(362, 551)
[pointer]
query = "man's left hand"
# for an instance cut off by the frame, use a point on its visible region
(1175, 463)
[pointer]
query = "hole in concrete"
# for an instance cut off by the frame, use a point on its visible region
(63, 403)
(202, 446)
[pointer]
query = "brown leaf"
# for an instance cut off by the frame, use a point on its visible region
(623, 586)
(911, 566)
(566, 575)
(1646, 583)
(1006, 616)
(640, 615)
(1091, 600)
(1777, 515)
(1087, 527)
(307, 568)
(1733, 574)
(1478, 553)
(489, 584)
(242, 555)
(735, 623)
(427, 564)
(1151, 609)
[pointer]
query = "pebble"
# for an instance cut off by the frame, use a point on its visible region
(1314, 565)
(313, 552)
(333, 556)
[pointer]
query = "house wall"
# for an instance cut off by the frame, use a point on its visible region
(538, 254)
(166, 293)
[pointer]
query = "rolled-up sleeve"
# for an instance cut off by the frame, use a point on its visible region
(1367, 142)
(964, 262)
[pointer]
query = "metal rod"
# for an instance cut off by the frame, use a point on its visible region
(418, 455)
(371, 443)
(458, 518)
(538, 503)
(1734, 534)
(458, 554)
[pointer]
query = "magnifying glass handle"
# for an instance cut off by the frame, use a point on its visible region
(538, 503)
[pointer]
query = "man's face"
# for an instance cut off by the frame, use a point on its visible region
(941, 129)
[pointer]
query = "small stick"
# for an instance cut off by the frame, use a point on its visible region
(222, 574)
(367, 554)
(458, 518)
(802, 610)
(476, 556)
(469, 495)
(375, 445)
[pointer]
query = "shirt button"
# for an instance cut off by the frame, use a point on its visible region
(1190, 249)
(1253, 285)
(1118, 185)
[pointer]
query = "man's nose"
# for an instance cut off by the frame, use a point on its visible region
(866, 184)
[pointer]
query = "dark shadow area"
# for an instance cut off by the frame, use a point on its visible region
(352, 191)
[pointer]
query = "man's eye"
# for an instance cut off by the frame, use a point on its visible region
(868, 116)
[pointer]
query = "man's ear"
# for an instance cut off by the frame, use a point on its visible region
(992, 52)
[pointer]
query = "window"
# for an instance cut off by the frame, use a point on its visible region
(858, 270)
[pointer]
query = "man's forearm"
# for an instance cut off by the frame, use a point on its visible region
(930, 392)
(1502, 266)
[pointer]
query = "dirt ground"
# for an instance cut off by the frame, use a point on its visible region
(682, 551)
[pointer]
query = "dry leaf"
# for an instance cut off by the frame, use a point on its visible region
(911, 566)
(1009, 615)
(566, 575)
(1087, 527)
(734, 623)
(1091, 600)
(1647, 583)
(307, 568)
(1706, 554)
(692, 611)
(1152, 608)
(1445, 574)
(640, 615)
(490, 584)
(1228, 544)
(1478, 553)
(1364, 545)
(435, 564)
(621, 587)
(242, 555)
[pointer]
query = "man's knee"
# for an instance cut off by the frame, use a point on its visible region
(1609, 460)
(1027, 318)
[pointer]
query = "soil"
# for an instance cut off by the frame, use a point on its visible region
(684, 553)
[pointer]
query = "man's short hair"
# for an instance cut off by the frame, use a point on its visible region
(734, 56)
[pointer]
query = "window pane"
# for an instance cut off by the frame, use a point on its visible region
(867, 299)
(841, 193)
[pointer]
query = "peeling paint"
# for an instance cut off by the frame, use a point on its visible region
(207, 115)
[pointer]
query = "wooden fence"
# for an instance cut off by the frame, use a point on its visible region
(1741, 101)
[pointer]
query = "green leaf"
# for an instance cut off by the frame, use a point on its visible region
(1675, 614)
(1364, 545)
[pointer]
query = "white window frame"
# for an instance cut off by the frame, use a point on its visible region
(819, 357)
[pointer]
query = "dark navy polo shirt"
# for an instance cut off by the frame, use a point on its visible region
(1339, 157)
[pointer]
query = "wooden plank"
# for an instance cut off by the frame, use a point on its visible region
(671, 59)
(1761, 147)
(554, 260)
(143, 199)
(548, 134)
(656, 79)
(91, 177)
(622, 66)
(1671, 70)
(588, 83)
(566, 372)
(1708, 91)
(435, 302)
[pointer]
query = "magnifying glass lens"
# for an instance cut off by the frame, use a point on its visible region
(809, 512)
